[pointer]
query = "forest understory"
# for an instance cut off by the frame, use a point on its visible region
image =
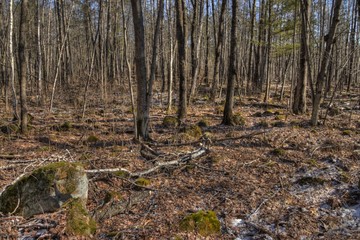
(273, 177)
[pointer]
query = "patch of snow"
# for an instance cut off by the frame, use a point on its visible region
(237, 222)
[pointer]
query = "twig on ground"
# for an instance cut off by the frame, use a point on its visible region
(260, 205)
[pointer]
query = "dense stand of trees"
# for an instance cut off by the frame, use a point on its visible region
(298, 52)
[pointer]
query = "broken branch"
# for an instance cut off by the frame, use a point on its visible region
(185, 159)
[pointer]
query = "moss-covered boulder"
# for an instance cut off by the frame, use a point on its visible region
(193, 131)
(45, 189)
(203, 222)
(187, 134)
(170, 122)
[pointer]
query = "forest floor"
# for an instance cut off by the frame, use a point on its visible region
(275, 177)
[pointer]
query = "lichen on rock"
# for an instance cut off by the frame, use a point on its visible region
(46, 189)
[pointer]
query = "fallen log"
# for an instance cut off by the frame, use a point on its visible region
(185, 159)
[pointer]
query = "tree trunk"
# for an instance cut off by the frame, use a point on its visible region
(250, 54)
(218, 51)
(229, 103)
(195, 46)
(12, 63)
(126, 59)
(207, 45)
(181, 40)
(320, 81)
(268, 52)
(352, 46)
(142, 116)
(171, 58)
(40, 65)
(22, 46)
(299, 102)
(154, 49)
(260, 55)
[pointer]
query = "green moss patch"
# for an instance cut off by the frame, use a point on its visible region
(194, 131)
(313, 162)
(280, 117)
(238, 119)
(66, 126)
(142, 182)
(92, 139)
(170, 121)
(79, 223)
(278, 152)
(122, 174)
(268, 113)
(347, 132)
(203, 222)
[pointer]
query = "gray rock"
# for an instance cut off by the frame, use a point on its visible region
(45, 189)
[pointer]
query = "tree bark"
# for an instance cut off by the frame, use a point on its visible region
(154, 53)
(320, 81)
(250, 54)
(126, 59)
(229, 103)
(40, 64)
(218, 51)
(142, 116)
(22, 46)
(181, 40)
(299, 102)
(195, 46)
(12, 63)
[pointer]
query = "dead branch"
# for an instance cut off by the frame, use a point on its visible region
(107, 170)
(185, 159)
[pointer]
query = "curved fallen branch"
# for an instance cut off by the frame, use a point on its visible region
(185, 159)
